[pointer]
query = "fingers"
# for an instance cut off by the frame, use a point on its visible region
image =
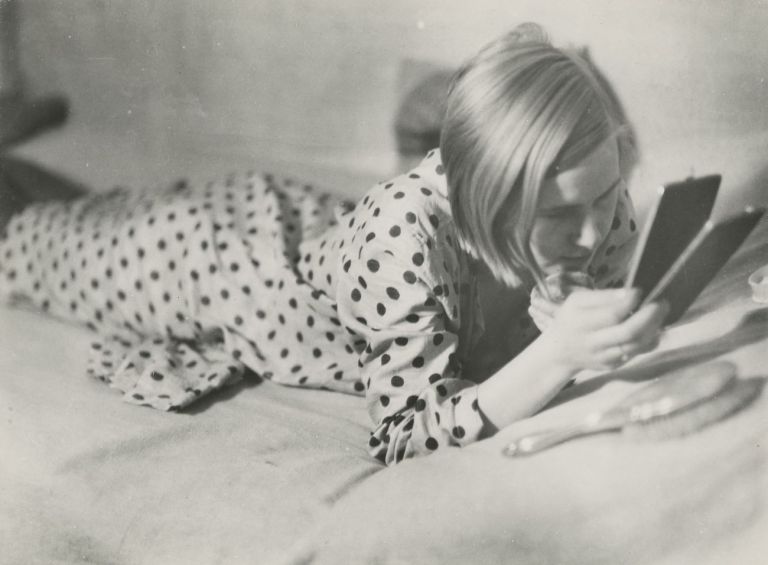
(647, 343)
(541, 310)
(599, 329)
(603, 308)
(646, 320)
(544, 306)
(584, 298)
(541, 319)
(616, 355)
(637, 334)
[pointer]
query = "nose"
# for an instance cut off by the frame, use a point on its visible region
(589, 233)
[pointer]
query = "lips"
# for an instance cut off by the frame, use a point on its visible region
(577, 260)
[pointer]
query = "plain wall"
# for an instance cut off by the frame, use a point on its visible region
(165, 88)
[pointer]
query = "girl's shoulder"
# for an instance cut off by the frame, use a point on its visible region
(414, 203)
(399, 256)
(404, 226)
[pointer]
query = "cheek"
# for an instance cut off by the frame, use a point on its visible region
(549, 238)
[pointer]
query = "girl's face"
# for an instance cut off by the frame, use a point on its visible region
(575, 211)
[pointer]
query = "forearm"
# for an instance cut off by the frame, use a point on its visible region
(522, 386)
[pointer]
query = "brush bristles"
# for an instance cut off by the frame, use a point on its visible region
(691, 420)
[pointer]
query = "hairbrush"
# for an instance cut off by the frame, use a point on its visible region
(674, 405)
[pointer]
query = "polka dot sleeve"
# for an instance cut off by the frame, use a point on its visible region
(611, 262)
(409, 365)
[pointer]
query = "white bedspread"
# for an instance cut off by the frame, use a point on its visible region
(262, 473)
(86, 478)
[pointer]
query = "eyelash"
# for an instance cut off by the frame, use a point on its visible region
(606, 196)
(559, 213)
(554, 213)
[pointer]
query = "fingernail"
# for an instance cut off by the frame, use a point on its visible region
(627, 293)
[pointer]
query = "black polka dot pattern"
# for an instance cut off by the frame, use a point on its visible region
(185, 282)
(611, 261)
(414, 302)
(191, 285)
(387, 275)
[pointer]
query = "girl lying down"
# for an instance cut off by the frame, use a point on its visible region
(442, 296)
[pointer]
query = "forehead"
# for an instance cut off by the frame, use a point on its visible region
(587, 180)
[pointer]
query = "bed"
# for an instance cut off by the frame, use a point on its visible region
(266, 474)
(89, 479)
(260, 473)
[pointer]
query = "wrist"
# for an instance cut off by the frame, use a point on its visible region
(523, 386)
(551, 353)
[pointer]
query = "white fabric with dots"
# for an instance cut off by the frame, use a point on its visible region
(408, 289)
(192, 286)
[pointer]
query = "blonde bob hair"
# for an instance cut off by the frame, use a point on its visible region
(517, 113)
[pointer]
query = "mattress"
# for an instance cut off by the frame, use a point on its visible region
(86, 478)
(262, 473)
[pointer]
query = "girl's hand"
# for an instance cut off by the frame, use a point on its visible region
(541, 310)
(597, 329)
(559, 286)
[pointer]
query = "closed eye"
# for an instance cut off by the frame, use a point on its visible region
(605, 195)
(566, 210)
(558, 212)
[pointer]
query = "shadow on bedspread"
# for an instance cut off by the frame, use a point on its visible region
(85, 477)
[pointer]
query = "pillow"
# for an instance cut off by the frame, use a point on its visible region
(419, 115)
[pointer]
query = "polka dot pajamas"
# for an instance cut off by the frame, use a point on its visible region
(406, 286)
(190, 285)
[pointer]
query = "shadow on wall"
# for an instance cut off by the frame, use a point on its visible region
(754, 193)
(751, 186)
(742, 160)
(165, 89)
(419, 114)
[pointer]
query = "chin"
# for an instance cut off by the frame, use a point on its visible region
(566, 267)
